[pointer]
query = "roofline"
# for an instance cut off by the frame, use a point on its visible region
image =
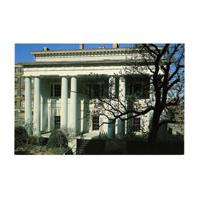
(64, 63)
(81, 51)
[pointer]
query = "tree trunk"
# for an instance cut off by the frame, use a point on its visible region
(154, 126)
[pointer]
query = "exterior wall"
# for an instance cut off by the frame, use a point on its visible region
(19, 89)
(19, 97)
(51, 107)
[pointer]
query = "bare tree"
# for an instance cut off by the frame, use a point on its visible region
(162, 66)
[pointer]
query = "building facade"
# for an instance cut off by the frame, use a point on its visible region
(61, 89)
(19, 96)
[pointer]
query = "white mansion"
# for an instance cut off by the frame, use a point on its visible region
(61, 85)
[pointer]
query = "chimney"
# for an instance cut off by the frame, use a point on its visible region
(81, 46)
(115, 46)
(45, 49)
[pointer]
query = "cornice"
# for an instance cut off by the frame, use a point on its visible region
(84, 63)
(85, 52)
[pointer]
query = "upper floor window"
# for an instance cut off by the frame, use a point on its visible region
(138, 88)
(98, 90)
(56, 90)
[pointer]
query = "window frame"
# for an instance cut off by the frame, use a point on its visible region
(53, 91)
(57, 121)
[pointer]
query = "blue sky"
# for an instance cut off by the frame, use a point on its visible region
(23, 51)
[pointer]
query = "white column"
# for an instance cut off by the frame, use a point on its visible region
(36, 112)
(82, 116)
(151, 90)
(122, 99)
(28, 104)
(73, 103)
(64, 103)
(49, 115)
(41, 113)
(120, 128)
(111, 128)
(111, 121)
(122, 89)
(112, 87)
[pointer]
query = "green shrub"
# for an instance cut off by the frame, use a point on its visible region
(21, 136)
(59, 151)
(33, 140)
(57, 139)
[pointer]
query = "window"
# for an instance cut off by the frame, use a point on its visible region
(146, 90)
(95, 122)
(98, 90)
(57, 122)
(136, 124)
(137, 90)
(56, 90)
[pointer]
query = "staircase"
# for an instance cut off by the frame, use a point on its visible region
(80, 150)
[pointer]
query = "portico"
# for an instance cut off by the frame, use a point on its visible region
(72, 105)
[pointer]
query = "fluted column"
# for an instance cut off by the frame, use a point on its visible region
(73, 103)
(28, 104)
(64, 103)
(36, 112)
